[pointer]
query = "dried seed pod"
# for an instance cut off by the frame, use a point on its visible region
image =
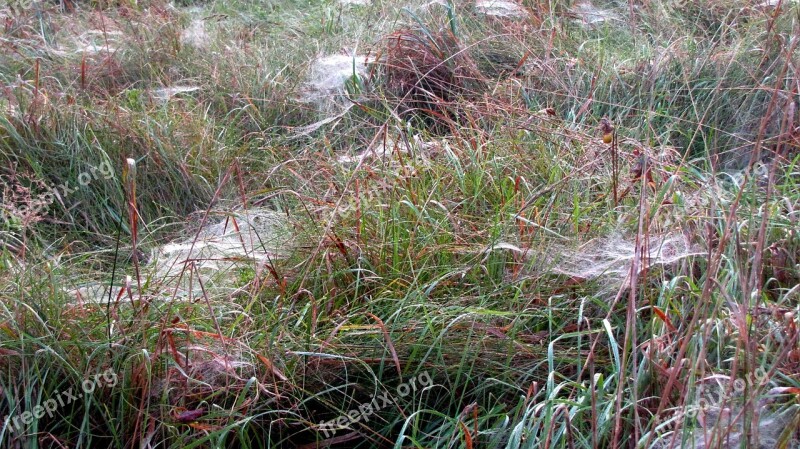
(638, 168)
(607, 129)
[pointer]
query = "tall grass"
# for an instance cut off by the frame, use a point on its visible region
(448, 221)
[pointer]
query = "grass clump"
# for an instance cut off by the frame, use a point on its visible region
(429, 74)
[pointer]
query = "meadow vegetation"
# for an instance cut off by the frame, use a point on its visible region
(468, 255)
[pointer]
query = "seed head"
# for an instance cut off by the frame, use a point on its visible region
(607, 129)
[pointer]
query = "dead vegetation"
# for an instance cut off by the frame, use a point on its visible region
(430, 76)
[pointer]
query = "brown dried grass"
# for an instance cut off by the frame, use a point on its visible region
(431, 76)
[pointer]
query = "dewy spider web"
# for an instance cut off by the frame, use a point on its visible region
(609, 258)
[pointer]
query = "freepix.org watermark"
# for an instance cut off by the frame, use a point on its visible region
(18, 4)
(63, 398)
(364, 411)
(706, 400)
(67, 188)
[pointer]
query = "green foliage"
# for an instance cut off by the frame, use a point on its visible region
(457, 216)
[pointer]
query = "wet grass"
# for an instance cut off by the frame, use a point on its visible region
(454, 276)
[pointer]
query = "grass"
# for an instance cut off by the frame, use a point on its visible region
(454, 218)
